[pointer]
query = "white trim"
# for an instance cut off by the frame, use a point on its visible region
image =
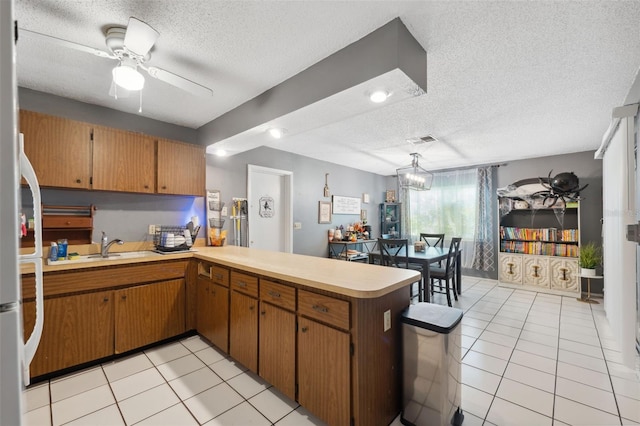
(616, 115)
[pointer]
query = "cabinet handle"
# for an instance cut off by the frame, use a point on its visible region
(535, 271)
(274, 294)
(213, 292)
(242, 284)
(218, 277)
(106, 299)
(124, 297)
(78, 181)
(262, 313)
(146, 187)
(68, 223)
(320, 308)
(164, 187)
(251, 307)
(510, 270)
(564, 274)
(304, 329)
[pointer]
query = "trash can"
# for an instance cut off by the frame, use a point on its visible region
(431, 355)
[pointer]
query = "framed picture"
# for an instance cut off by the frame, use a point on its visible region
(363, 215)
(346, 205)
(365, 198)
(324, 212)
(390, 196)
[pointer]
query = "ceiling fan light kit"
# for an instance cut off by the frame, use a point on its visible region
(127, 76)
(414, 177)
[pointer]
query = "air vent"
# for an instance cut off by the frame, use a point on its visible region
(422, 140)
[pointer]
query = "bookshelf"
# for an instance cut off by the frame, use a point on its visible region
(539, 246)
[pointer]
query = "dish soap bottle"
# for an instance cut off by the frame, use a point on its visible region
(53, 252)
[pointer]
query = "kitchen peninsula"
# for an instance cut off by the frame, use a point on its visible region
(325, 333)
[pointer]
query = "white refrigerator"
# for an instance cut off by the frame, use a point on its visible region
(15, 354)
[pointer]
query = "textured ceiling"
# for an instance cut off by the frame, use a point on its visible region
(505, 80)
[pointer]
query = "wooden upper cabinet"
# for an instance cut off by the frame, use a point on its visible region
(123, 161)
(181, 168)
(59, 149)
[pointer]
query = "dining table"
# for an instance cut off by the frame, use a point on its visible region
(426, 258)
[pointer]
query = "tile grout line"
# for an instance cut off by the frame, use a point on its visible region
(606, 364)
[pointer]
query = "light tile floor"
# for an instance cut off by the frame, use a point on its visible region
(528, 359)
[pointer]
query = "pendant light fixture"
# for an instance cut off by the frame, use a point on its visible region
(414, 176)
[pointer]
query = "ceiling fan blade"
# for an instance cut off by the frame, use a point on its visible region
(180, 82)
(81, 47)
(140, 37)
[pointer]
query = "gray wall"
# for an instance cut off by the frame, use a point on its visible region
(229, 175)
(63, 107)
(124, 216)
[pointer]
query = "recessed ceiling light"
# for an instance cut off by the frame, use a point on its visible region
(379, 96)
(276, 132)
(221, 153)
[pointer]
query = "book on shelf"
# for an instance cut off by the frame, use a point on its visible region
(538, 234)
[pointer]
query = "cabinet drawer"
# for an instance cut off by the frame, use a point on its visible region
(324, 308)
(220, 275)
(217, 274)
(278, 294)
(66, 222)
(244, 283)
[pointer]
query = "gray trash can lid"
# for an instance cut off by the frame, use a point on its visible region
(438, 318)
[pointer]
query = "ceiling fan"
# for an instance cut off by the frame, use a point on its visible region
(131, 47)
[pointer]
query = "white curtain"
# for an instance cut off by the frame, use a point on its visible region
(450, 207)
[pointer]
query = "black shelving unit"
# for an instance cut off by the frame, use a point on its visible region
(390, 215)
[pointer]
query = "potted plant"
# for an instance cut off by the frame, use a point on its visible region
(590, 258)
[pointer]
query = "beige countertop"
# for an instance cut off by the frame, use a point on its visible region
(353, 279)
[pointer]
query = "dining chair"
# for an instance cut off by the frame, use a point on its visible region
(432, 240)
(448, 273)
(394, 252)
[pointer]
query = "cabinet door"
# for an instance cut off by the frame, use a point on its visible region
(535, 271)
(149, 313)
(324, 376)
(278, 348)
(204, 310)
(510, 268)
(243, 330)
(564, 274)
(219, 305)
(123, 161)
(59, 149)
(181, 168)
(77, 329)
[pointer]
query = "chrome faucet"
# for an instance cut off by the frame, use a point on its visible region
(105, 245)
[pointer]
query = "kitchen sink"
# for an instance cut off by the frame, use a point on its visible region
(112, 256)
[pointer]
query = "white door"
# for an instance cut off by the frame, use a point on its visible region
(269, 196)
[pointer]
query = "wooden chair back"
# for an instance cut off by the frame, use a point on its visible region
(432, 240)
(393, 252)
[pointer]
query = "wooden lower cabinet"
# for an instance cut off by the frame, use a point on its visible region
(324, 375)
(278, 348)
(77, 329)
(148, 313)
(213, 313)
(243, 330)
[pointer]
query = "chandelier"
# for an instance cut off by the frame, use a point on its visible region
(414, 176)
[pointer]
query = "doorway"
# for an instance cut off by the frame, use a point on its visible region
(270, 200)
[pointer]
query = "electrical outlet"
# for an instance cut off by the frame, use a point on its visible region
(387, 320)
(152, 229)
(297, 225)
(224, 211)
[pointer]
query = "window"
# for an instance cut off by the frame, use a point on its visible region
(450, 207)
